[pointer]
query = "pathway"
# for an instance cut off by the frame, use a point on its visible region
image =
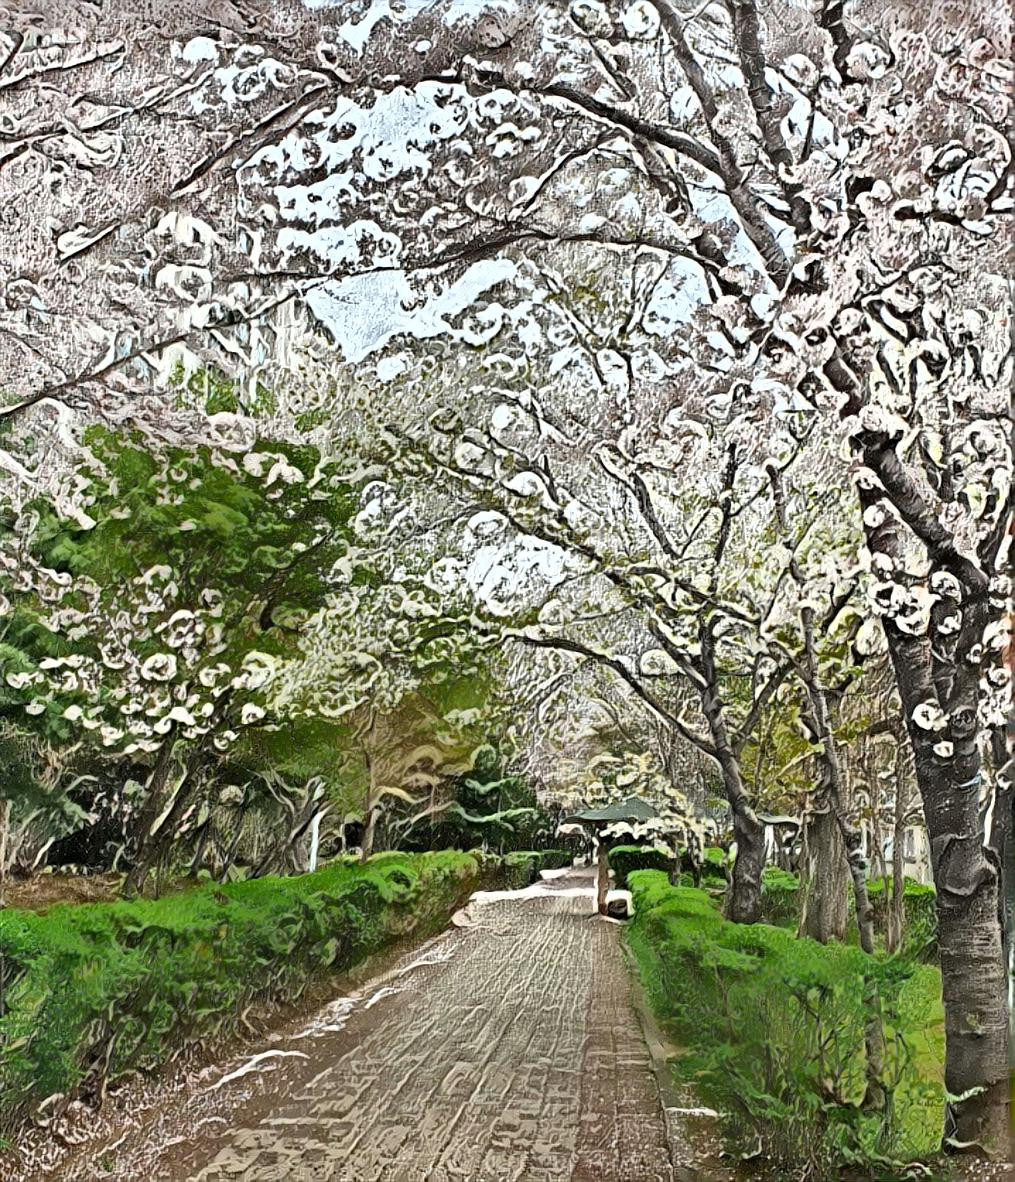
(505, 1050)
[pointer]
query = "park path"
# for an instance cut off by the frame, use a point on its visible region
(505, 1049)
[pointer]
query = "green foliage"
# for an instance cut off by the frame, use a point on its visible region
(147, 978)
(773, 1028)
(191, 552)
(522, 867)
(919, 903)
(715, 867)
(555, 859)
(215, 392)
(780, 896)
(488, 807)
(625, 858)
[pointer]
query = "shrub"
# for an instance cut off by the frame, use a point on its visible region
(715, 868)
(99, 989)
(920, 906)
(521, 868)
(625, 858)
(773, 1028)
(555, 859)
(780, 896)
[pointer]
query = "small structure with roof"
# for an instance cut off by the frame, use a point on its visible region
(631, 811)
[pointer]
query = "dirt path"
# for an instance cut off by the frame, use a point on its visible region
(508, 1049)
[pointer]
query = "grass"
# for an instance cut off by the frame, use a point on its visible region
(89, 992)
(772, 1031)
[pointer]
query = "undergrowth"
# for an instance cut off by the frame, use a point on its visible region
(89, 992)
(772, 1035)
(625, 858)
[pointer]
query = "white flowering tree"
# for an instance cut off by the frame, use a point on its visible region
(154, 629)
(611, 778)
(805, 204)
(375, 656)
(660, 218)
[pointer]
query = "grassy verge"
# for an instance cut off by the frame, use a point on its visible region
(90, 992)
(772, 1030)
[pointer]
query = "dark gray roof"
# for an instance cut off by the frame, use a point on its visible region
(632, 809)
(775, 819)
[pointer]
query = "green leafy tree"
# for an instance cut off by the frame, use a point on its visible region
(157, 631)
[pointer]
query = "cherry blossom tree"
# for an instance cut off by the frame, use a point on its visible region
(636, 238)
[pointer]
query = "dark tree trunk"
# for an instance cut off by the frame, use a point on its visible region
(823, 880)
(151, 810)
(896, 927)
(1002, 838)
(817, 715)
(5, 827)
(156, 850)
(937, 669)
(743, 902)
(602, 876)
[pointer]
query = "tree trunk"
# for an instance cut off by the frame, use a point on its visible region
(5, 825)
(370, 804)
(896, 927)
(149, 815)
(823, 884)
(934, 670)
(817, 716)
(315, 842)
(744, 903)
(974, 981)
(369, 828)
(602, 875)
(1002, 844)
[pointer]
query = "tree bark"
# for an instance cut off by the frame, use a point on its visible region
(824, 913)
(974, 977)
(5, 825)
(367, 734)
(817, 715)
(743, 903)
(150, 812)
(602, 875)
(896, 927)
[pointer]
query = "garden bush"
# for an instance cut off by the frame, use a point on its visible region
(773, 1028)
(521, 868)
(625, 858)
(715, 868)
(920, 906)
(91, 991)
(780, 896)
(555, 859)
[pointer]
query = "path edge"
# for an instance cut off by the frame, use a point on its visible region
(683, 1158)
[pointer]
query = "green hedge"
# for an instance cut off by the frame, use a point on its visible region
(773, 1031)
(780, 896)
(521, 868)
(920, 905)
(625, 858)
(128, 983)
(715, 868)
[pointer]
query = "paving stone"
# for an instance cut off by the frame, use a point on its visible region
(520, 1058)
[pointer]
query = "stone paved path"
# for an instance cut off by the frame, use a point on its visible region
(512, 1053)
